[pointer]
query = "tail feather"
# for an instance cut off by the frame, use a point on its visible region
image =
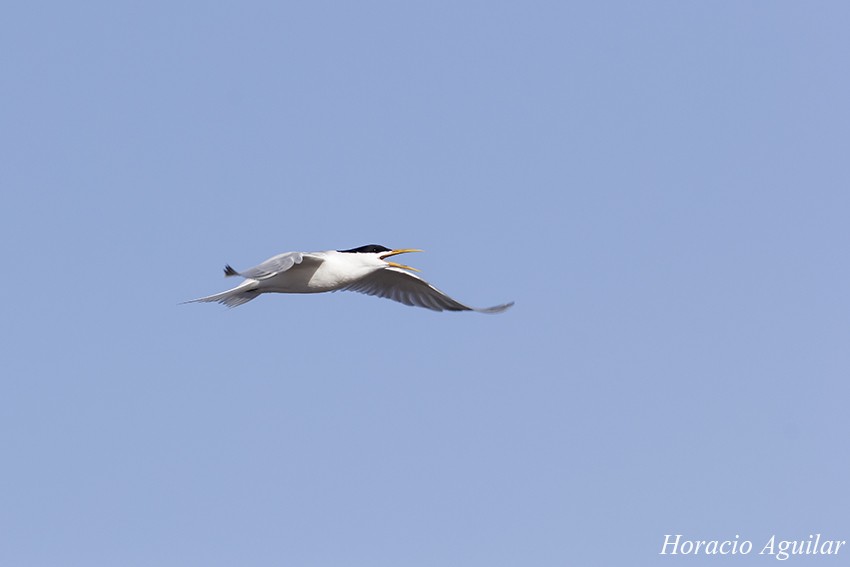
(240, 294)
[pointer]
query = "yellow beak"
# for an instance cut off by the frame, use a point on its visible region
(400, 251)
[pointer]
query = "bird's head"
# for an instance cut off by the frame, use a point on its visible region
(382, 253)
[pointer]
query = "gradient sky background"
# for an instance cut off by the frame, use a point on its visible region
(662, 187)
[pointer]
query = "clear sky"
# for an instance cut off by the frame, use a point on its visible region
(662, 187)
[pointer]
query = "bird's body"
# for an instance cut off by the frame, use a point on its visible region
(362, 269)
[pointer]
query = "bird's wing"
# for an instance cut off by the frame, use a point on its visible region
(404, 287)
(273, 266)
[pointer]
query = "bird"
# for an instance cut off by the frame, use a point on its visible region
(364, 269)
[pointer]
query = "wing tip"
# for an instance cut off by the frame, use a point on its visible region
(497, 308)
(229, 271)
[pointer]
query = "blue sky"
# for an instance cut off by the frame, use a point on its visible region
(662, 188)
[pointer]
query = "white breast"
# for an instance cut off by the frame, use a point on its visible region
(322, 271)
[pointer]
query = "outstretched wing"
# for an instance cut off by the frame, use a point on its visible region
(271, 267)
(404, 287)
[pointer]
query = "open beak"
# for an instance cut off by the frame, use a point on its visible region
(400, 251)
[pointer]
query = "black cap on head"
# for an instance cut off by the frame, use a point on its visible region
(369, 248)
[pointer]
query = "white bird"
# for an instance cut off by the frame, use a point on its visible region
(362, 269)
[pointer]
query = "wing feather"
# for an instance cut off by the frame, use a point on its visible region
(271, 267)
(409, 289)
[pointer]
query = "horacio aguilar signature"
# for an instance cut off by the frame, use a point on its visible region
(782, 549)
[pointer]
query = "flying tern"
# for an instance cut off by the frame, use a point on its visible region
(364, 269)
